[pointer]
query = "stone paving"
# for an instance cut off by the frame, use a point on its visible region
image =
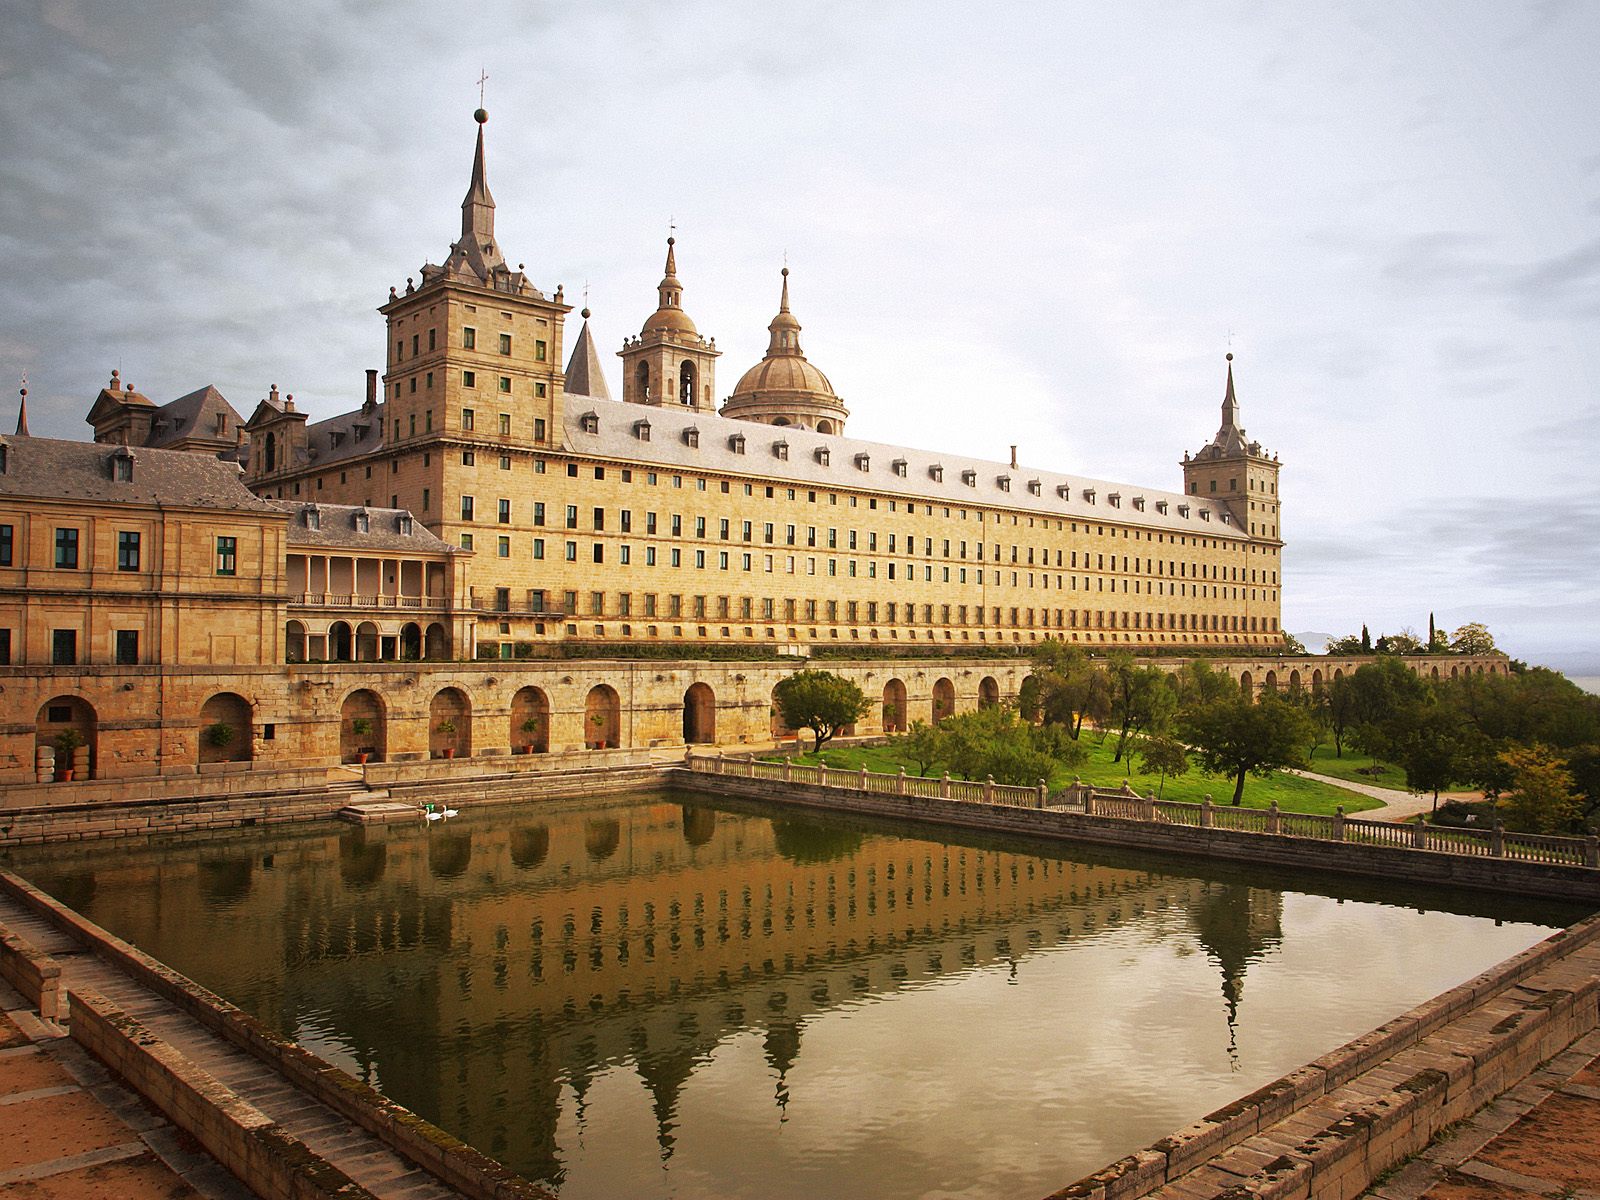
(71, 1129)
(1542, 1138)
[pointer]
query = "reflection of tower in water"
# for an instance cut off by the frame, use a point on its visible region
(1237, 925)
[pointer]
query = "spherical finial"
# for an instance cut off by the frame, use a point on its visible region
(481, 116)
(672, 241)
(585, 313)
(1229, 356)
(24, 393)
(786, 272)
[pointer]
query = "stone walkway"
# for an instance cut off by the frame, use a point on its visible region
(73, 1130)
(1397, 805)
(1542, 1138)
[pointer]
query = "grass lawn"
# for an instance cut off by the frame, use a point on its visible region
(1292, 793)
(1358, 767)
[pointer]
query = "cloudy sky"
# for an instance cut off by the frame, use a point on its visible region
(1040, 224)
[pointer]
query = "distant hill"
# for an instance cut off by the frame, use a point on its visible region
(1315, 643)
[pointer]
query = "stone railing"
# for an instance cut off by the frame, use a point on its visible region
(1128, 805)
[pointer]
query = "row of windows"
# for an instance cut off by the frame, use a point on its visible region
(469, 341)
(64, 647)
(128, 550)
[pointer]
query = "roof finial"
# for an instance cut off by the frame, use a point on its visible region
(1230, 405)
(477, 210)
(22, 412)
(783, 303)
(483, 78)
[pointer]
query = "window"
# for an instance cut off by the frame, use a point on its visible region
(505, 462)
(63, 647)
(7, 543)
(5, 647)
(538, 426)
(122, 468)
(572, 551)
(227, 555)
(466, 541)
(67, 549)
(504, 516)
(505, 386)
(127, 647)
(469, 338)
(503, 547)
(505, 343)
(469, 379)
(469, 458)
(466, 508)
(538, 548)
(538, 512)
(572, 516)
(539, 351)
(468, 417)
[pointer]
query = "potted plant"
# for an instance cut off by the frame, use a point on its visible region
(447, 729)
(529, 727)
(361, 727)
(219, 735)
(66, 742)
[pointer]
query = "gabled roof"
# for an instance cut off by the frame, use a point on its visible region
(336, 526)
(195, 417)
(359, 431)
(51, 469)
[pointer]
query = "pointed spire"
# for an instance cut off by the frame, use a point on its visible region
(1230, 405)
(584, 376)
(477, 210)
(785, 327)
(669, 316)
(22, 413)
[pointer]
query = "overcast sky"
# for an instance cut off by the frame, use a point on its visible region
(1039, 224)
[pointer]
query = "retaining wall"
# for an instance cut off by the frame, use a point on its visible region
(35, 975)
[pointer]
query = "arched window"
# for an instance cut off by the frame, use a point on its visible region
(686, 383)
(270, 457)
(641, 377)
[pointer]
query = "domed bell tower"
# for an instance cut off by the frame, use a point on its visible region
(669, 362)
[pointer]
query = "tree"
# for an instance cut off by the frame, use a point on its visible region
(1141, 699)
(1541, 799)
(819, 701)
(1472, 638)
(993, 742)
(1404, 642)
(1350, 643)
(1341, 710)
(1196, 683)
(1165, 756)
(1379, 689)
(1426, 739)
(924, 745)
(1235, 738)
(1366, 641)
(1065, 688)
(1292, 644)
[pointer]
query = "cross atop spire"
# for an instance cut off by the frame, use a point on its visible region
(483, 78)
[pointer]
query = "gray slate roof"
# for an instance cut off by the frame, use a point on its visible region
(344, 436)
(584, 374)
(336, 528)
(194, 416)
(668, 447)
(49, 469)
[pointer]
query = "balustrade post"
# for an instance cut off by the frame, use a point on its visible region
(1338, 823)
(988, 789)
(1274, 818)
(900, 784)
(1044, 795)
(1419, 835)
(721, 763)
(1088, 799)
(1591, 851)
(1150, 807)
(1205, 813)
(944, 786)
(788, 769)
(1497, 839)
(863, 779)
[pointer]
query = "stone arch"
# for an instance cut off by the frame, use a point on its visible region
(778, 729)
(227, 729)
(1338, 674)
(1247, 686)
(780, 421)
(366, 642)
(686, 382)
(699, 824)
(602, 717)
(641, 380)
(72, 718)
(824, 426)
(1435, 672)
(1294, 682)
(1316, 682)
(450, 724)
(370, 736)
(530, 705)
(449, 854)
(411, 641)
(988, 692)
(294, 641)
(269, 454)
(1455, 671)
(894, 706)
(699, 715)
(436, 645)
(1269, 685)
(944, 700)
(341, 642)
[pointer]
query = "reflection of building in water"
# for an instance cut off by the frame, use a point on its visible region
(638, 936)
(1237, 925)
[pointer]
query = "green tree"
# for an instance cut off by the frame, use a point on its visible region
(1066, 688)
(1542, 799)
(1426, 739)
(1292, 644)
(993, 742)
(1404, 642)
(1235, 738)
(924, 745)
(819, 701)
(1196, 683)
(1472, 638)
(1350, 643)
(1165, 756)
(1141, 699)
(1340, 699)
(1379, 690)
(1366, 641)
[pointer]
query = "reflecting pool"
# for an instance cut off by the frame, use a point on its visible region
(654, 996)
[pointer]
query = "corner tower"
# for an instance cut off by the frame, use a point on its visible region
(474, 350)
(1236, 473)
(669, 362)
(783, 388)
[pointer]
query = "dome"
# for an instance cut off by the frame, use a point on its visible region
(787, 374)
(670, 320)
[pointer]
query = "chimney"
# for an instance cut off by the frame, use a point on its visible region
(372, 390)
(1013, 458)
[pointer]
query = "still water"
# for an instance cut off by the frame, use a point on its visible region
(656, 997)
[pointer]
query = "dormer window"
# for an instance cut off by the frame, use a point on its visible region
(122, 466)
(222, 424)
(1183, 511)
(313, 516)
(4, 454)
(1115, 499)
(822, 455)
(936, 472)
(1035, 487)
(1088, 494)
(899, 467)
(641, 430)
(1138, 503)
(363, 522)
(1064, 491)
(863, 462)
(780, 450)
(1222, 516)
(1161, 507)
(736, 443)
(1004, 481)
(691, 438)
(335, 438)
(405, 524)
(359, 432)
(589, 423)
(970, 478)
(1205, 514)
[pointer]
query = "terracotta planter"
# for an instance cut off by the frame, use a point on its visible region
(361, 756)
(449, 751)
(65, 775)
